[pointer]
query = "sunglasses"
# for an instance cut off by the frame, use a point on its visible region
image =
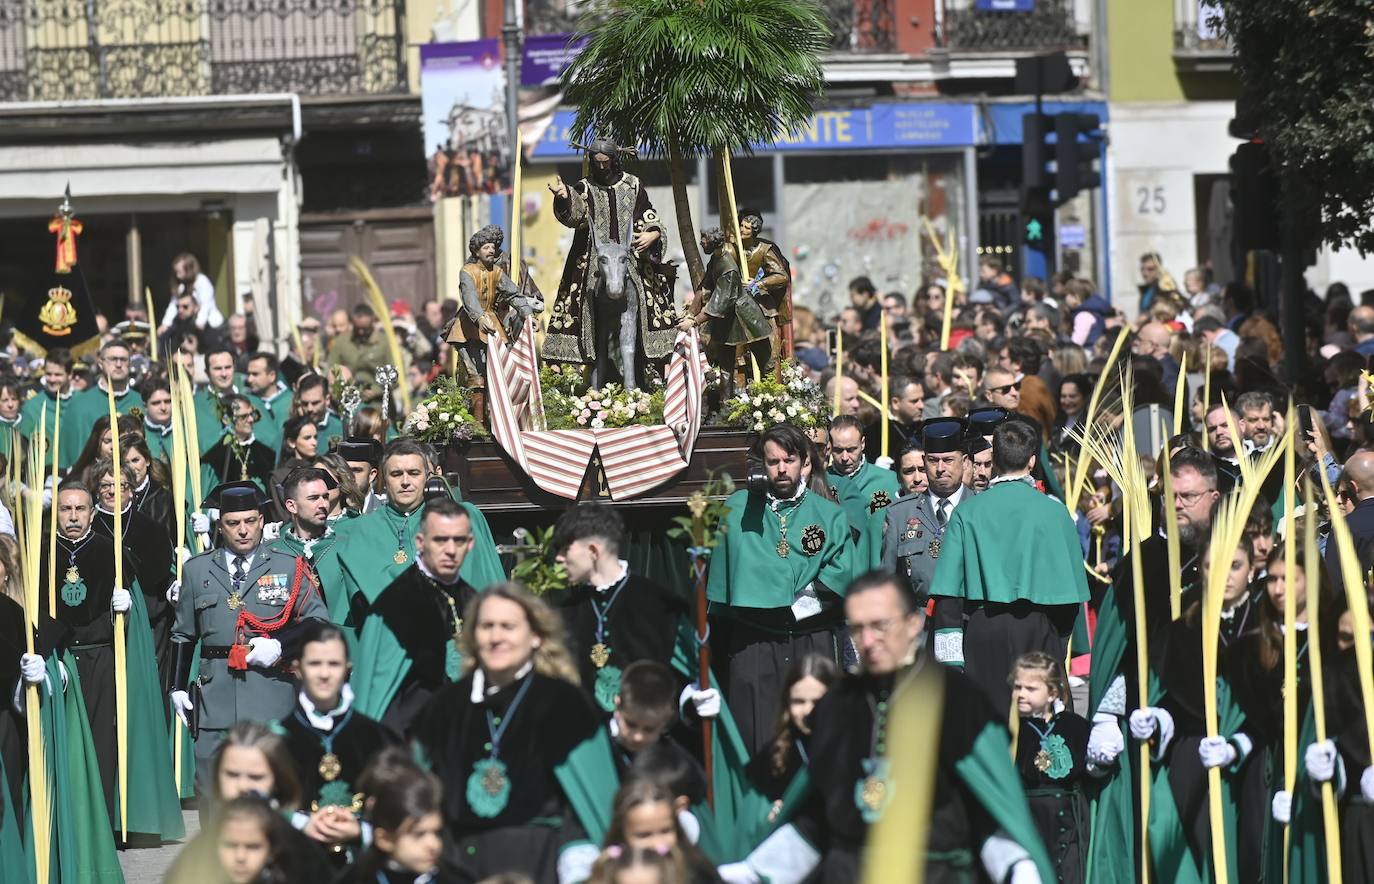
(1005, 388)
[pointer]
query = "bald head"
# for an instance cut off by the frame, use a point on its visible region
(1361, 322)
(1157, 335)
(1359, 471)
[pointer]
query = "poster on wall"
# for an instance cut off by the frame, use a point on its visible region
(462, 100)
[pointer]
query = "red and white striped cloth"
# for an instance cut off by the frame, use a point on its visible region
(635, 460)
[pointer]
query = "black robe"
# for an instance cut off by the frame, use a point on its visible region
(356, 740)
(1056, 795)
(642, 624)
(150, 552)
(92, 640)
(842, 734)
(227, 465)
(769, 782)
(365, 873)
(155, 502)
(1154, 563)
(1346, 724)
(52, 637)
(416, 610)
(552, 719)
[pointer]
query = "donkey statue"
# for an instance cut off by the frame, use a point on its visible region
(616, 311)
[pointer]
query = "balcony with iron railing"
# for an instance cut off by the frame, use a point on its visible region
(71, 50)
(855, 25)
(1199, 42)
(1012, 26)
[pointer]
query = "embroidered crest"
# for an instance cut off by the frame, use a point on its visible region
(1054, 759)
(58, 315)
(880, 500)
(813, 539)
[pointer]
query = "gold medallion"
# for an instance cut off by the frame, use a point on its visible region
(494, 779)
(874, 793)
(235, 601)
(783, 548)
(330, 768)
(1042, 761)
(400, 557)
(601, 655)
(73, 575)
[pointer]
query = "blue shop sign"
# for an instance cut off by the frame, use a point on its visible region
(882, 126)
(1005, 5)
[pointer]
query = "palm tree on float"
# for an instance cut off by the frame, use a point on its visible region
(690, 78)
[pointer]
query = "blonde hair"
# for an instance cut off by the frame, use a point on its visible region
(13, 585)
(1047, 667)
(551, 658)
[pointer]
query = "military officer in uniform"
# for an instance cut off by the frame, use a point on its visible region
(915, 524)
(242, 603)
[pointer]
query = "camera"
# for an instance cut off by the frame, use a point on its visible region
(756, 479)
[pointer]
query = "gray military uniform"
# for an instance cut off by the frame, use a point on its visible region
(909, 534)
(204, 614)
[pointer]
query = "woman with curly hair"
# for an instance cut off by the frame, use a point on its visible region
(498, 736)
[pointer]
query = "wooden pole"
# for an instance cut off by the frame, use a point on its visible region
(697, 505)
(121, 670)
(29, 531)
(1290, 635)
(1330, 822)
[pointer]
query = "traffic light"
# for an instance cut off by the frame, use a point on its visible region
(1073, 159)
(1036, 152)
(1255, 195)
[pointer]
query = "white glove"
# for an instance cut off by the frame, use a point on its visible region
(1105, 742)
(271, 531)
(1216, 752)
(1321, 761)
(182, 706)
(174, 592)
(33, 667)
(1024, 872)
(263, 651)
(1143, 724)
(200, 523)
(883, 462)
(738, 873)
(1282, 807)
(184, 553)
(121, 601)
(707, 702)
(1367, 784)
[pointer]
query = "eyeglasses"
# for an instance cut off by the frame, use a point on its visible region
(1191, 497)
(879, 628)
(1005, 388)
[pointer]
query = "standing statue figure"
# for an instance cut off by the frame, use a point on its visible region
(492, 306)
(769, 279)
(738, 321)
(614, 275)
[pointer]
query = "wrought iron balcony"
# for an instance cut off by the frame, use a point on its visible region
(1011, 26)
(69, 50)
(1199, 42)
(861, 25)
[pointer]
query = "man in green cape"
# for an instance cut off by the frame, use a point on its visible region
(1010, 575)
(377, 547)
(312, 399)
(93, 403)
(209, 400)
(861, 488)
(979, 814)
(1113, 688)
(269, 396)
(776, 582)
(310, 536)
(54, 387)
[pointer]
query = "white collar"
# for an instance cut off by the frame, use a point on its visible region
(245, 443)
(863, 462)
(17, 419)
(100, 383)
(624, 572)
(325, 721)
(796, 496)
(480, 691)
(161, 429)
(953, 499)
(424, 569)
(230, 555)
(1019, 477)
(144, 484)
